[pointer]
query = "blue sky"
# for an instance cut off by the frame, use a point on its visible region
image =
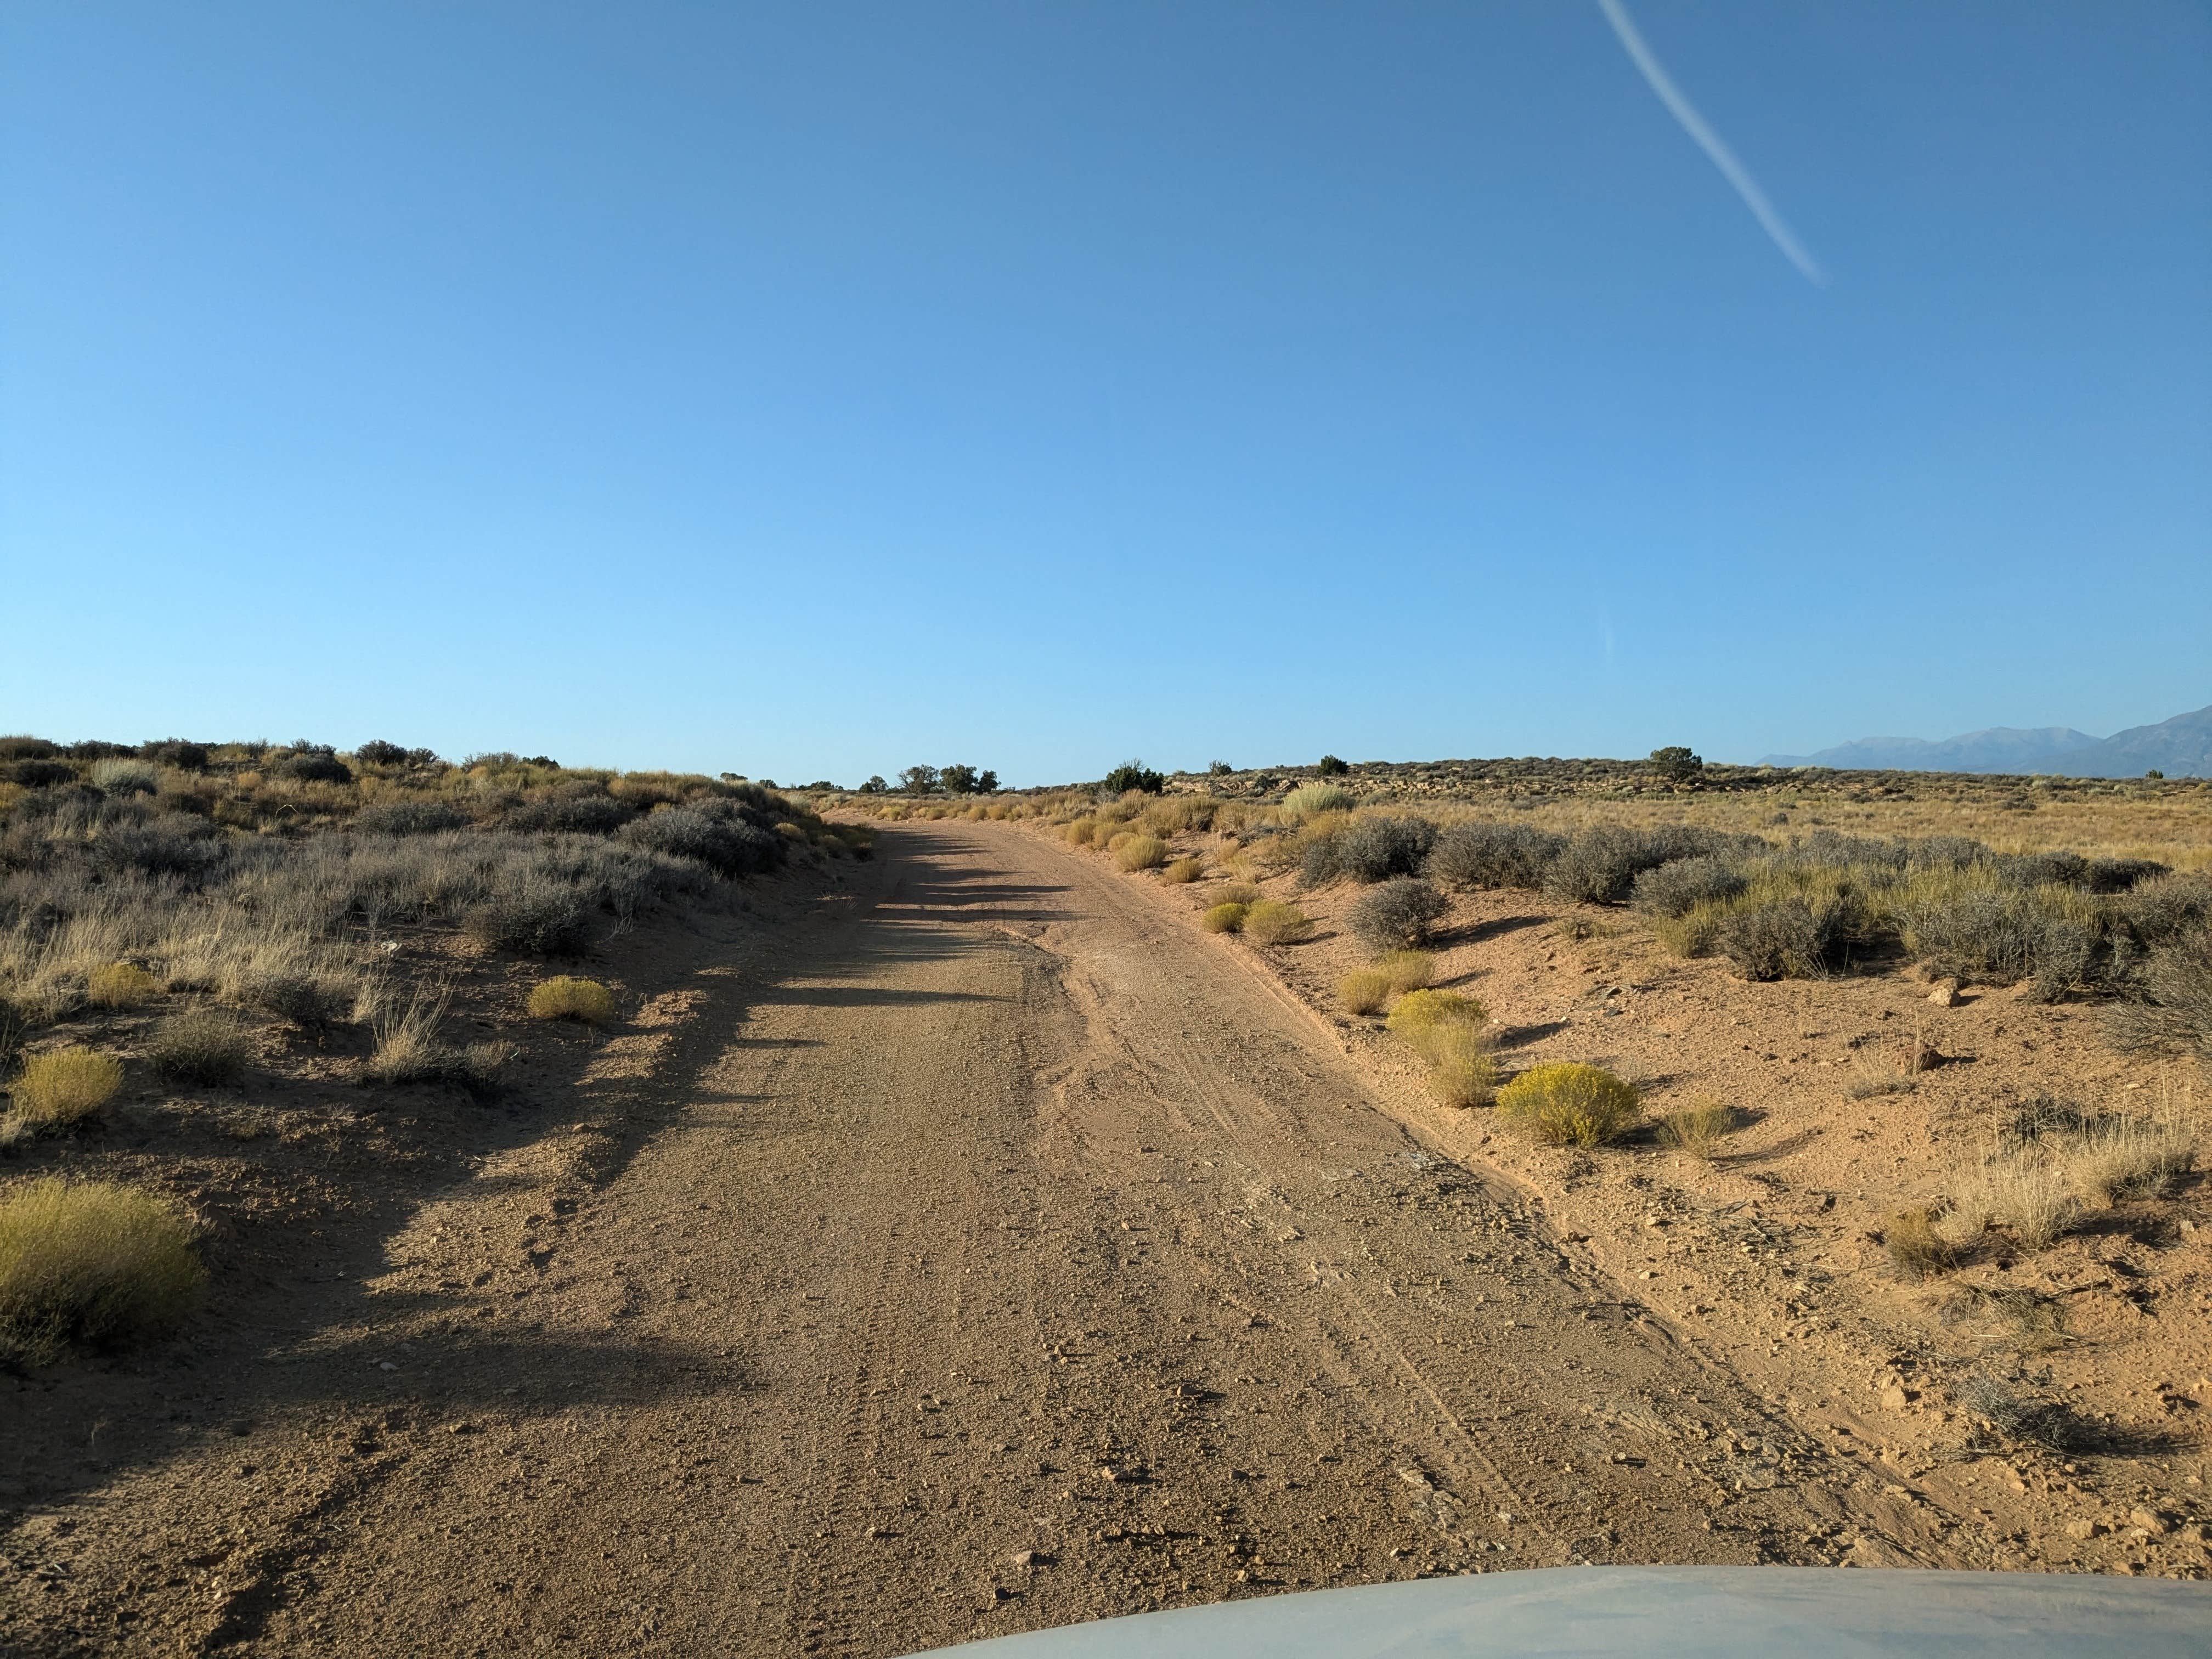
(811, 390)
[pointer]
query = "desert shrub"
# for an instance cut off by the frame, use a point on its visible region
(1971, 925)
(1273, 923)
(1184, 871)
(127, 777)
(1239, 893)
(1461, 1070)
(1330, 766)
(1407, 971)
(1562, 1103)
(1697, 1129)
(185, 756)
(38, 774)
(2171, 1009)
(1915, 1247)
(729, 847)
(309, 1001)
(2167, 908)
(172, 844)
(2120, 875)
(1132, 775)
(1420, 1015)
(1310, 800)
(564, 997)
(1396, 915)
(200, 1046)
(1363, 991)
(1375, 849)
(409, 818)
(1675, 889)
(21, 748)
(93, 1262)
(1079, 832)
(530, 914)
(1601, 866)
(119, 985)
(1225, 918)
(1494, 854)
(313, 767)
(1788, 938)
(1139, 852)
(65, 1086)
(572, 815)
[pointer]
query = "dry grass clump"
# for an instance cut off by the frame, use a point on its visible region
(407, 1048)
(1916, 1247)
(1139, 852)
(1562, 1103)
(1310, 800)
(119, 985)
(93, 1262)
(1079, 832)
(1461, 1070)
(1184, 871)
(1420, 1015)
(1697, 1129)
(1239, 893)
(202, 1046)
(2058, 1162)
(2021, 1190)
(1408, 970)
(2120, 1158)
(565, 997)
(1365, 991)
(1226, 918)
(65, 1086)
(1273, 923)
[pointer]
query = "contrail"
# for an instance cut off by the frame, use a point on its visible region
(1710, 141)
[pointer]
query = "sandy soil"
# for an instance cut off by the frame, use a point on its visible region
(974, 1249)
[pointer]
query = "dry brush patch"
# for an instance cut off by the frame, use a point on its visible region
(64, 1087)
(91, 1262)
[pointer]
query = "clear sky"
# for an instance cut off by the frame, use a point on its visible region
(809, 389)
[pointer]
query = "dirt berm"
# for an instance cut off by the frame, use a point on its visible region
(976, 1252)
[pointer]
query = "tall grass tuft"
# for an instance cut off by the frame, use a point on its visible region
(1461, 1070)
(1273, 923)
(64, 1087)
(1420, 1016)
(1140, 853)
(1407, 971)
(202, 1046)
(1184, 871)
(1310, 800)
(1225, 918)
(1363, 991)
(119, 985)
(1697, 1129)
(91, 1263)
(1916, 1247)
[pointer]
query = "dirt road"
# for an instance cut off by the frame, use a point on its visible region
(987, 1250)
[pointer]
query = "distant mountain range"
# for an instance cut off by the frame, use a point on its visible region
(2180, 748)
